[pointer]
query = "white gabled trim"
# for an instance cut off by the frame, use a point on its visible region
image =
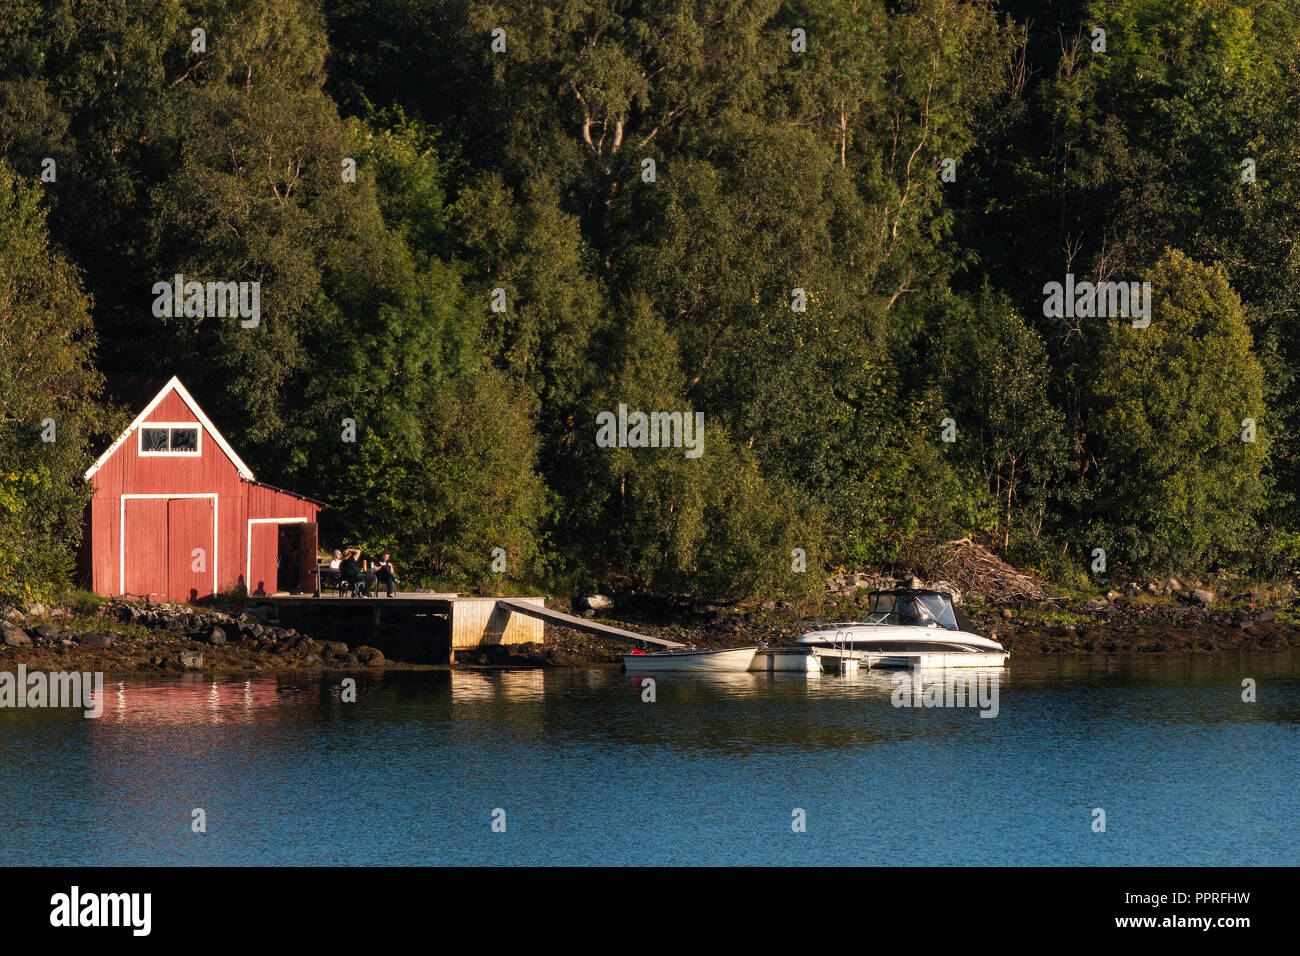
(174, 384)
(248, 549)
(121, 536)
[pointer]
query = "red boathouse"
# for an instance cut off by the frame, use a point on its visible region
(177, 516)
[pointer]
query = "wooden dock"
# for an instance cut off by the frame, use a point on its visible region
(452, 622)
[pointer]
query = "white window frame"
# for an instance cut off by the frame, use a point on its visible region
(195, 426)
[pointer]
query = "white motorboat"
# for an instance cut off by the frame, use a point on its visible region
(702, 660)
(907, 627)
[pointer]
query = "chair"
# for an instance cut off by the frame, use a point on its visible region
(352, 588)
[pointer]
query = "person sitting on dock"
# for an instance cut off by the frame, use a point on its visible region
(362, 581)
(330, 575)
(386, 574)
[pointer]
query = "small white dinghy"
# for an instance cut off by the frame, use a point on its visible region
(705, 660)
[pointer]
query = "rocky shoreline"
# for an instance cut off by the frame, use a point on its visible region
(129, 637)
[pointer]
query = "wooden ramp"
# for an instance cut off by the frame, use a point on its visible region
(581, 623)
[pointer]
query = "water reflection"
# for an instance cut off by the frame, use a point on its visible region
(519, 685)
(192, 699)
(705, 773)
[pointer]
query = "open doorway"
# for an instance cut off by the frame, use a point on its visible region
(288, 558)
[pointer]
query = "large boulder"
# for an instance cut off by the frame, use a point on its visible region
(496, 653)
(370, 656)
(597, 602)
(217, 636)
(1203, 597)
(485, 655)
(191, 660)
(14, 636)
(95, 640)
(335, 649)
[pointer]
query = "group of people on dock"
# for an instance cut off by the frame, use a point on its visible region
(363, 574)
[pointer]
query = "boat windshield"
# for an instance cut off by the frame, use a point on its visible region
(914, 609)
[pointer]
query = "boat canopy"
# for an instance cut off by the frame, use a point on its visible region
(913, 607)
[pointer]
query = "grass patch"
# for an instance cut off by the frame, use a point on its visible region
(81, 603)
(1061, 617)
(97, 623)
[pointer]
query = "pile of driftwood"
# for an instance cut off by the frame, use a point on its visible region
(977, 571)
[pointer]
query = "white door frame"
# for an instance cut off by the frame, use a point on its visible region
(121, 537)
(248, 550)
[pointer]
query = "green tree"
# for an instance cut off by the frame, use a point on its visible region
(49, 398)
(470, 486)
(706, 525)
(352, 325)
(997, 388)
(1179, 484)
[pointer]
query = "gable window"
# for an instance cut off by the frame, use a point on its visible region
(153, 439)
(184, 439)
(163, 438)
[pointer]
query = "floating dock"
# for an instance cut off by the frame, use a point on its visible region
(803, 660)
(449, 622)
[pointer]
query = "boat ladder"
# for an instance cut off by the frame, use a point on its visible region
(848, 664)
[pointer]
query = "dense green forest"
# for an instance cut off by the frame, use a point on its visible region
(827, 226)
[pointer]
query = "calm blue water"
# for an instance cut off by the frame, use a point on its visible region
(709, 773)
